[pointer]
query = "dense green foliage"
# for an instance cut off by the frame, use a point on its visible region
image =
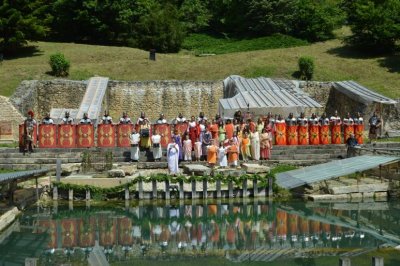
(20, 20)
(306, 67)
(59, 65)
(375, 24)
(163, 24)
(205, 44)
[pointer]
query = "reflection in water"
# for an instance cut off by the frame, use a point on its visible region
(238, 231)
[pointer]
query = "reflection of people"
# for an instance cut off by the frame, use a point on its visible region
(134, 140)
(173, 158)
(351, 144)
(374, 124)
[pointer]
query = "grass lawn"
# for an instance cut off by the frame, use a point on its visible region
(333, 62)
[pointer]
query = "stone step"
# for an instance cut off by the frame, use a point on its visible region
(28, 159)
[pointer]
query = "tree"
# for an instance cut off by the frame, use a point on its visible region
(59, 65)
(375, 24)
(306, 67)
(161, 29)
(315, 20)
(194, 15)
(19, 23)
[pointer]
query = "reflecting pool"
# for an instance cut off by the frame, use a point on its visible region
(203, 233)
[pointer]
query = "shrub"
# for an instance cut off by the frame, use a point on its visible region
(306, 67)
(59, 65)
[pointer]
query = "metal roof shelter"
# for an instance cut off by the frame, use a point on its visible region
(325, 171)
(361, 93)
(262, 95)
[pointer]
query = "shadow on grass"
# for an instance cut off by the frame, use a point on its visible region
(346, 51)
(391, 62)
(26, 51)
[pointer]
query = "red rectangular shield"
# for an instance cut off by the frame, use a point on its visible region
(66, 136)
(69, 233)
(165, 131)
(106, 135)
(181, 128)
(47, 136)
(123, 132)
(85, 136)
(21, 135)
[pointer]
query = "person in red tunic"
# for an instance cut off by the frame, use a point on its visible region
(214, 130)
(193, 130)
(229, 129)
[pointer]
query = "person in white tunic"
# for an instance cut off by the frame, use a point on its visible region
(255, 145)
(156, 140)
(173, 158)
(134, 140)
(222, 160)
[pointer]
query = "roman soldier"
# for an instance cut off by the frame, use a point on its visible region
(29, 127)
(292, 132)
(348, 123)
(336, 123)
(106, 119)
(125, 119)
(324, 132)
(359, 128)
(47, 120)
(161, 119)
(180, 119)
(85, 120)
(67, 119)
(302, 123)
(313, 127)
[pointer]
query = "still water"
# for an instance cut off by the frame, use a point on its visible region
(203, 233)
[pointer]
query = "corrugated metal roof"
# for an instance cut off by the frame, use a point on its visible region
(325, 171)
(6, 177)
(265, 93)
(361, 93)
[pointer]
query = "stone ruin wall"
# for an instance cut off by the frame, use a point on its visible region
(152, 97)
(167, 97)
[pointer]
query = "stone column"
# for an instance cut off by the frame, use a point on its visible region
(194, 192)
(88, 194)
(70, 194)
(154, 185)
(55, 193)
(377, 261)
(218, 185)
(230, 189)
(127, 196)
(344, 262)
(244, 188)
(167, 194)
(181, 190)
(205, 183)
(140, 184)
(255, 188)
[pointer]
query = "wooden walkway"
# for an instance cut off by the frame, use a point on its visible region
(326, 171)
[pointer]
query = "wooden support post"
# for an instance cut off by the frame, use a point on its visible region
(167, 192)
(255, 188)
(194, 192)
(70, 194)
(270, 184)
(127, 196)
(344, 262)
(377, 261)
(88, 194)
(218, 185)
(205, 190)
(140, 184)
(230, 189)
(154, 185)
(181, 191)
(244, 188)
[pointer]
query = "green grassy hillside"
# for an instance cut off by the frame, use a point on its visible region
(333, 62)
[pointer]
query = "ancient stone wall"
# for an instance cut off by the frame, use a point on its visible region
(167, 97)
